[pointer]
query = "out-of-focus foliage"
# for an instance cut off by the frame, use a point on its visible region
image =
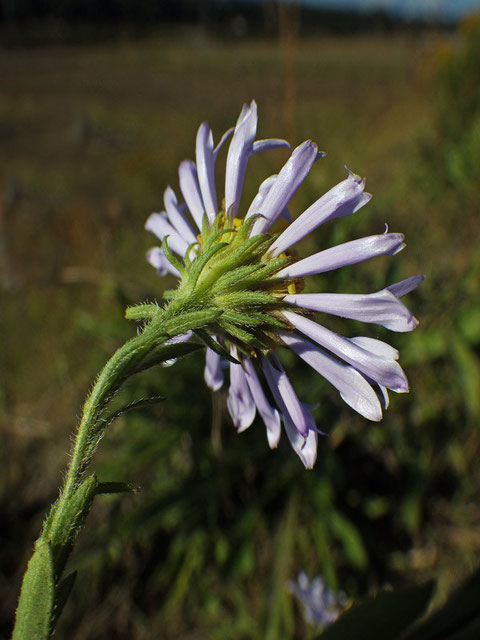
(454, 150)
(90, 139)
(397, 615)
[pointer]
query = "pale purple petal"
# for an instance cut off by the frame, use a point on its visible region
(157, 259)
(376, 346)
(382, 349)
(352, 386)
(270, 416)
(240, 403)
(223, 139)
(400, 289)
(205, 157)
(381, 308)
(385, 400)
(213, 373)
(266, 145)
(256, 206)
(184, 337)
(238, 153)
(343, 200)
(291, 176)
(176, 217)
(285, 395)
(246, 108)
(321, 605)
(158, 224)
(385, 371)
(345, 254)
(187, 173)
(305, 448)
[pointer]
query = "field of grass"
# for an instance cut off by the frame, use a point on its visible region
(89, 138)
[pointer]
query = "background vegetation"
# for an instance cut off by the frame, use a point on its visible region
(89, 138)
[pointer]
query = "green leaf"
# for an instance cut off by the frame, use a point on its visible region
(189, 321)
(174, 261)
(34, 612)
(383, 617)
(280, 603)
(345, 531)
(248, 299)
(168, 294)
(242, 319)
(469, 323)
(166, 352)
(103, 423)
(69, 516)
(247, 251)
(199, 264)
(62, 593)
(460, 610)
(215, 346)
(142, 311)
(469, 369)
(241, 334)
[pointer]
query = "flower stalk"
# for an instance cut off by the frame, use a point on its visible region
(43, 591)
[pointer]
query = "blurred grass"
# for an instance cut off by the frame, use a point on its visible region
(89, 138)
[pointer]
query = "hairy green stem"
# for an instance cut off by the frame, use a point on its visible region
(108, 381)
(43, 592)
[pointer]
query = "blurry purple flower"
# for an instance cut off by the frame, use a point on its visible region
(361, 369)
(321, 606)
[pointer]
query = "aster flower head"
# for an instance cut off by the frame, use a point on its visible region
(233, 260)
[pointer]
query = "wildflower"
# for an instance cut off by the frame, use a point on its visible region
(234, 261)
(321, 606)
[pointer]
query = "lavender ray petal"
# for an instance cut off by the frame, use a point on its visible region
(285, 396)
(158, 224)
(157, 259)
(305, 448)
(291, 176)
(352, 386)
(266, 145)
(240, 403)
(176, 217)
(256, 205)
(385, 371)
(403, 287)
(270, 416)
(213, 373)
(346, 254)
(378, 347)
(264, 188)
(205, 157)
(187, 173)
(238, 153)
(243, 113)
(223, 139)
(381, 308)
(385, 400)
(382, 349)
(342, 200)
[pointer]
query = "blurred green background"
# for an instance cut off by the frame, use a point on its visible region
(90, 135)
